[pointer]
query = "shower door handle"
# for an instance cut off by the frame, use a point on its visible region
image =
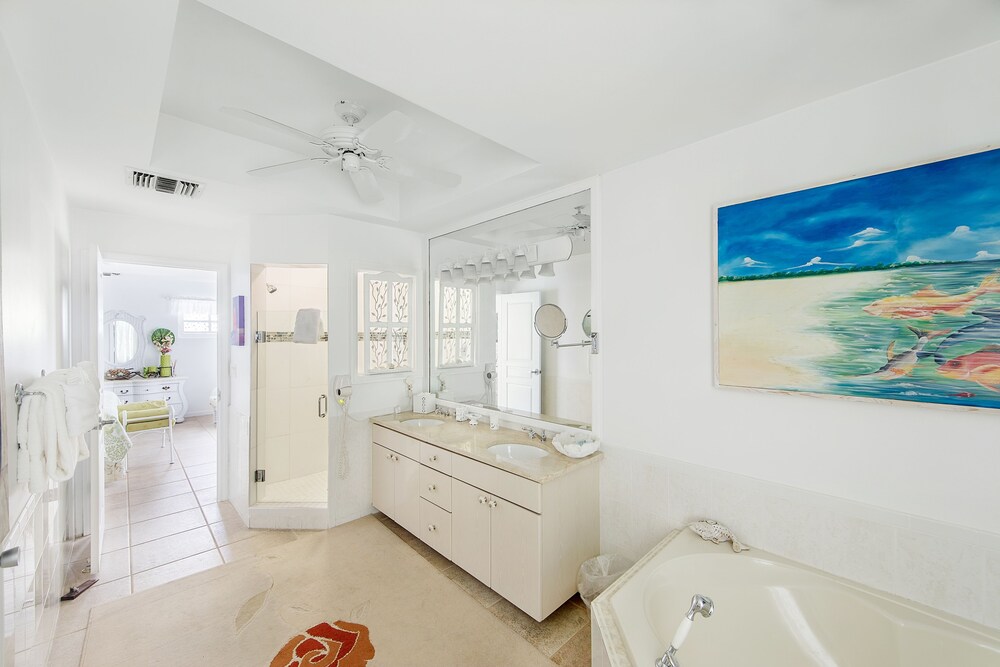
(321, 405)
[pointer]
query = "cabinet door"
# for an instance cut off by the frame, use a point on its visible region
(407, 494)
(516, 555)
(470, 530)
(383, 484)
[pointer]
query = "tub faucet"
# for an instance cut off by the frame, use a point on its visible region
(699, 605)
(532, 433)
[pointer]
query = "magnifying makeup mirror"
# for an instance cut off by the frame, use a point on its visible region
(586, 325)
(550, 321)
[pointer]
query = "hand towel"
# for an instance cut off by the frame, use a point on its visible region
(307, 326)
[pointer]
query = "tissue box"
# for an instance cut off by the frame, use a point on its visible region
(424, 403)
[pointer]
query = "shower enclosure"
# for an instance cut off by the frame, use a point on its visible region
(291, 396)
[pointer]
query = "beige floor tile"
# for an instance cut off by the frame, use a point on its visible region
(177, 569)
(170, 524)
(114, 539)
(207, 496)
(204, 482)
(431, 556)
(115, 486)
(151, 468)
(481, 593)
(220, 511)
(138, 481)
(159, 552)
(116, 501)
(162, 507)
(114, 565)
(255, 545)
(67, 650)
(575, 652)
(232, 530)
(551, 634)
(73, 614)
(200, 470)
(115, 517)
(157, 492)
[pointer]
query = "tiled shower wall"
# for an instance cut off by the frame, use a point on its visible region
(948, 567)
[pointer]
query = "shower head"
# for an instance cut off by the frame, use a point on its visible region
(271, 289)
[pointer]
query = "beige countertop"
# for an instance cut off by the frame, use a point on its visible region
(473, 442)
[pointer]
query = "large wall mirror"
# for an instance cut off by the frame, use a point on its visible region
(486, 283)
(124, 340)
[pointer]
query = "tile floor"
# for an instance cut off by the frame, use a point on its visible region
(161, 523)
(563, 637)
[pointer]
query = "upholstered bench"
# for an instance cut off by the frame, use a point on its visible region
(149, 416)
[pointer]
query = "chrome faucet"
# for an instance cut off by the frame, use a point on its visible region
(699, 605)
(532, 433)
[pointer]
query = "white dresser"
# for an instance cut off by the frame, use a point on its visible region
(137, 389)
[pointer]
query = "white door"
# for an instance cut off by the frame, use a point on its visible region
(383, 481)
(470, 530)
(96, 438)
(519, 353)
(516, 555)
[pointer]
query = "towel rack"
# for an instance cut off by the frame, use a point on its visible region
(20, 393)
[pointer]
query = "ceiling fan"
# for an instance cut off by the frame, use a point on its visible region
(353, 149)
(578, 229)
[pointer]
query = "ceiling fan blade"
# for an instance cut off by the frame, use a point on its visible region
(389, 129)
(366, 185)
(294, 165)
(408, 169)
(264, 121)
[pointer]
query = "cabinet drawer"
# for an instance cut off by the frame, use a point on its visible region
(435, 457)
(158, 388)
(436, 487)
(397, 442)
(517, 490)
(435, 527)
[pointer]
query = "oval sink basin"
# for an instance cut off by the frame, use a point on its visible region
(423, 421)
(518, 452)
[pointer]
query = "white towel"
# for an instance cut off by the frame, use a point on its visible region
(307, 326)
(81, 397)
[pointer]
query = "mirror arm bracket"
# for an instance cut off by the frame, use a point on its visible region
(593, 343)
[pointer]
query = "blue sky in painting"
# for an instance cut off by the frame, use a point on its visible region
(947, 210)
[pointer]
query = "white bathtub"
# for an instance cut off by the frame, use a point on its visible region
(772, 612)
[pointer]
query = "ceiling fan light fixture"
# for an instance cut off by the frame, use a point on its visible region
(350, 162)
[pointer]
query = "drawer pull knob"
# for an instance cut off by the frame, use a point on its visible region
(432, 487)
(482, 500)
(166, 388)
(431, 528)
(433, 458)
(388, 456)
(492, 504)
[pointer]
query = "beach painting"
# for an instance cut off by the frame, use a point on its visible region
(882, 287)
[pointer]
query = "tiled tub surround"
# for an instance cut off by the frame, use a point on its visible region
(944, 566)
(520, 527)
(773, 611)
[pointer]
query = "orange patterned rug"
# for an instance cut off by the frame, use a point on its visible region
(342, 644)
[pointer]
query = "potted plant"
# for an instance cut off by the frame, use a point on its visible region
(164, 339)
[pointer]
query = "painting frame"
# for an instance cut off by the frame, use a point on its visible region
(719, 278)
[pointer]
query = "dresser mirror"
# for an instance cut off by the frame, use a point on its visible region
(124, 341)
(486, 283)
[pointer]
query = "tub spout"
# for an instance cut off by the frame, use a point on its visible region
(700, 604)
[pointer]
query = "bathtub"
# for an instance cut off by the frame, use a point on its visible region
(772, 612)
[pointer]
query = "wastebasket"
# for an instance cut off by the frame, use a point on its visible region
(597, 573)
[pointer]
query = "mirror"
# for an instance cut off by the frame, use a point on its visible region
(586, 325)
(124, 342)
(550, 321)
(487, 284)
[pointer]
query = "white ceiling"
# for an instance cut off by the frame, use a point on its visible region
(518, 97)
(166, 274)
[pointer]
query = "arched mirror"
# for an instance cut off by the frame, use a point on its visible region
(124, 341)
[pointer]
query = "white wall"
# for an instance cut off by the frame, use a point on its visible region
(659, 399)
(35, 280)
(195, 355)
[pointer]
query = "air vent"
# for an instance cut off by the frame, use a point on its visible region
(170, 186)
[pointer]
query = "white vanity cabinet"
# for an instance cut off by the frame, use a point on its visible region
(394, 487)
(523, 538)
(137, 390)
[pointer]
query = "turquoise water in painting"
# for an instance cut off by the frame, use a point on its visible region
(863, 338)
